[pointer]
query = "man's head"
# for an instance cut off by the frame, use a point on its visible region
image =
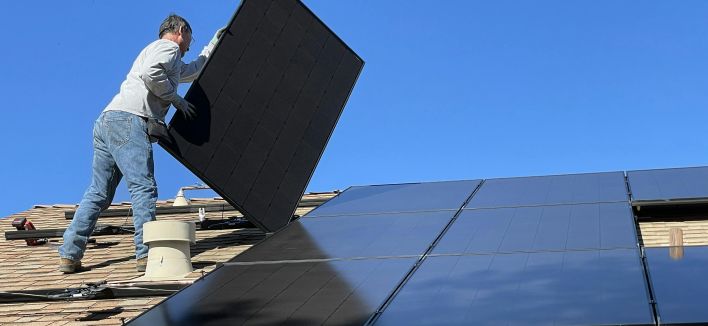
(177, 29)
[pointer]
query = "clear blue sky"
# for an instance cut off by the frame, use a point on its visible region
(451, 89)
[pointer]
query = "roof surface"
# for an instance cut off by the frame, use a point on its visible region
(111, 258)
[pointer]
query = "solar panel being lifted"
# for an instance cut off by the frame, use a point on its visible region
(268, 100)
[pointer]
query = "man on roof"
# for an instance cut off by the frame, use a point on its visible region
(122, 144)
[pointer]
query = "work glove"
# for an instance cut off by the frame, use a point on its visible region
(188, 109)
(217, 36)
(157, 130)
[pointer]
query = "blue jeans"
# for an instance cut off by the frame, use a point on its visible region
(121, 148)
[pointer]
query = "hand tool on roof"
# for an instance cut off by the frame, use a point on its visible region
(29, 234)
(23, 224)
(106, 229)
(95, 291)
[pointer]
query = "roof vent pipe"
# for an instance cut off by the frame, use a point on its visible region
(181, 200)
(168, 257)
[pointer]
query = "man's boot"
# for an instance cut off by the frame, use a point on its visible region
(68, 266)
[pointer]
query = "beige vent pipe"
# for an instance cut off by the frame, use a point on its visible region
(168, 256)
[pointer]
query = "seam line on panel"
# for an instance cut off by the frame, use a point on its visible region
(420, 260)
(545, 205)
(385, 213)
(315, 260)
(642, 256)
(647, 280)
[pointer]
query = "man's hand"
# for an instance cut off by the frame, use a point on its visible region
(217, 35)
(188, 109)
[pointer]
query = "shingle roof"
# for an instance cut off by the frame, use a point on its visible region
(111, 258)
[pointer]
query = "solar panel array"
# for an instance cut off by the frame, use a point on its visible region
(440, 253)
(534, 250)
(268, 100)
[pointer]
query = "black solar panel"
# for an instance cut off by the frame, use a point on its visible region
(551, 190)
(679, 284)
(603, 287)
(351, 237)
(409, 197)
(668, 185)
(536, 228)
(268, 101)
(304, 293)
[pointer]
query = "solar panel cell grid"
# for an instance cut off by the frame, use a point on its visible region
(430, 196)
(352, 236)
(679, 284)
(311, 293)
(541, 228)
(561, 288)
(551, 190)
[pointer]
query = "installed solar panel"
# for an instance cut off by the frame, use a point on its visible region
(352, 236)
(679, 284)
(561, 227)
(410, 197)
(551, 190)
(268, 101)
(604, 287)
(668, 185)
(306, 293)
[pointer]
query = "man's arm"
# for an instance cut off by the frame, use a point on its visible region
(190, 71)
(154, 74)
(155, 70)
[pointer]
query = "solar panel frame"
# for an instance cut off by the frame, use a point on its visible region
(261, 128)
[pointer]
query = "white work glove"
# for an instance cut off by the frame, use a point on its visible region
(187, 109)
(217, 36)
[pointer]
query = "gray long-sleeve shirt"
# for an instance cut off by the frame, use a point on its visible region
(151, 85)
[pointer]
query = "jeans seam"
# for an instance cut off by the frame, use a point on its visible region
(68, 257)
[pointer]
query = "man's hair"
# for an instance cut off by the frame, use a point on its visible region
(174, 24)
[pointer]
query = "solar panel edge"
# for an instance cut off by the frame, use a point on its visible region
(333, 33)
(472, 184)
